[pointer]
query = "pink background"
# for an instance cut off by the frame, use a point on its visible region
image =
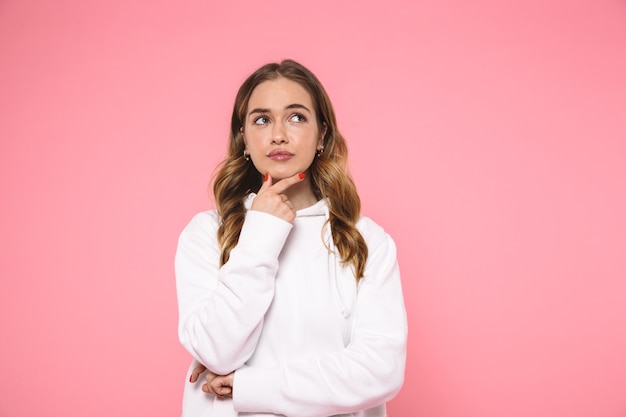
(488, 137)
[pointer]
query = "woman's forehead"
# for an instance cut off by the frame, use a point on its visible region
(278, 94)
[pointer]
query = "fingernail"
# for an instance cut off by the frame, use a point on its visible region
(191, 378)
(266, 177)
(301, 175)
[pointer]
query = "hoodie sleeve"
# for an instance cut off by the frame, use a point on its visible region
(366, 373)
(221, 309)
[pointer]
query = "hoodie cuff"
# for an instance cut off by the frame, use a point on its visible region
(263, 233)
(254, 389)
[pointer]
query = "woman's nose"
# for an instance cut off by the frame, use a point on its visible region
(279, 135)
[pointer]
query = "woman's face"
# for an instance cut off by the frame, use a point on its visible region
(280, 131)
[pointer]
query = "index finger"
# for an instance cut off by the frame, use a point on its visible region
(196, 372)
(285, 183)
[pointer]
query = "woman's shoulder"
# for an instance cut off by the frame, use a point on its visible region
(381, 247)
(373, 233)
(204, 221)
(207, 216)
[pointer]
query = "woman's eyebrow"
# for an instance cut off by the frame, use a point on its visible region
(298, 106)
(291, 106)
(259, 111)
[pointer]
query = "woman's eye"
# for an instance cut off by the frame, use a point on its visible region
(261, 120)
(298, 118)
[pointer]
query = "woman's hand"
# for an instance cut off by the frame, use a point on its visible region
(219, 385)
(272, 199)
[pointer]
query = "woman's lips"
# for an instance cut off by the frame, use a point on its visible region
(279, 155)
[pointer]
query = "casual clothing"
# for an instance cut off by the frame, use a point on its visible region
(304, 338)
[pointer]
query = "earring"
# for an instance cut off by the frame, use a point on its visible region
(246, 155)
(319, 152)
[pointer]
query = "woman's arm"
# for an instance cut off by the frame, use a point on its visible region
(367, 373)
(221, 309)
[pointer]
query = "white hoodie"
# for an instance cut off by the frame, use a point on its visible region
(303, 338)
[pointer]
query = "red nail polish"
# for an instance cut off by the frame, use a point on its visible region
(266, 177)
(301, 175)
(191, 378)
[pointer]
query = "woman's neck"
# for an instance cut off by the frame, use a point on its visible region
(301, 195)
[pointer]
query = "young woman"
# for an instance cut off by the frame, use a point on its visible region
(290, 302)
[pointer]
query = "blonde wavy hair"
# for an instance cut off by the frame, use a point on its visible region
(330, 179)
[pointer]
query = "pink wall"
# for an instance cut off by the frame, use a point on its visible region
(489, 138)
